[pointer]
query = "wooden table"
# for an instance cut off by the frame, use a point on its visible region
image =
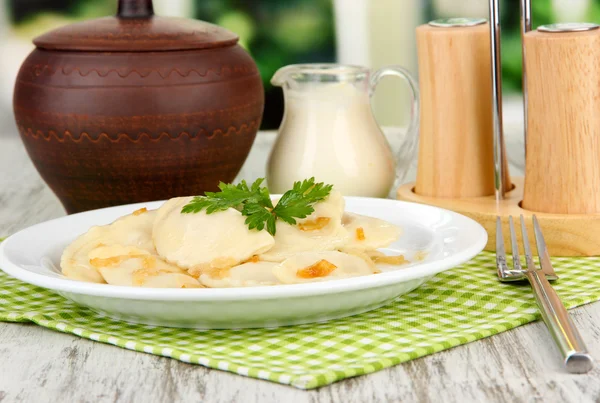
(40, 365)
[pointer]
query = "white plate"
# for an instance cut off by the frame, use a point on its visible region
(445, 240)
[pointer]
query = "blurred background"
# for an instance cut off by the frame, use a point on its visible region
(281, 32)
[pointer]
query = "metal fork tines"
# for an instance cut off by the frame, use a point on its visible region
(554, 313)
(518, 274)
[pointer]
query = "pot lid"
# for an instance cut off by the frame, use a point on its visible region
(135, 28)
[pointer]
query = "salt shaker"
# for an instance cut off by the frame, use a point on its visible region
(456, 150)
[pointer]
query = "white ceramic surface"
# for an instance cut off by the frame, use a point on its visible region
(445, 239)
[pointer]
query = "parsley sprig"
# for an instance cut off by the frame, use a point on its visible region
(254, 202)
(230, 196)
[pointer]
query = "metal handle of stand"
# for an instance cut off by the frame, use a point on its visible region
(525, 27)
(499, 166)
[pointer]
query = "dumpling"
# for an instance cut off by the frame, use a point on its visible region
(366, 233)
(318, 266)
(203, 241)
(131, 266)
(132, 230)
(75, 263)
(245, 275)
(321, 231)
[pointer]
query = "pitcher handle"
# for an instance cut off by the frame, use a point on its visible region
(406, 152)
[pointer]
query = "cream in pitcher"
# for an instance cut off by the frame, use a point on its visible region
(329, 131)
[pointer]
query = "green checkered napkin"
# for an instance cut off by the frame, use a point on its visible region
(456, 307)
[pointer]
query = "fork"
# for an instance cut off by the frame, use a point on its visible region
(557, 319)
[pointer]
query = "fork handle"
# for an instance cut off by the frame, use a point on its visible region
(558, 321)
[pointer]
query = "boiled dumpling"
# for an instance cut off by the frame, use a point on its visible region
(366, 233)
(318, 266)
(132, 230)
(75, 262)
(203, 241)
(320, 231)
(131, 266)
(245, 275)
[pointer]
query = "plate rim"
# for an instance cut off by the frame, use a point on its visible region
(418, 271)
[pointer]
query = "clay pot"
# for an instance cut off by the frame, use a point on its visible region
(137, 107)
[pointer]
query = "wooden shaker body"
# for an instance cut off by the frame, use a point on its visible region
(456, 154)
(562, 170)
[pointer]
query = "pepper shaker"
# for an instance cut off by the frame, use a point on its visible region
(562, 170)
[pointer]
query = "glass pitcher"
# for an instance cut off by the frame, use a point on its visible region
(329, 131)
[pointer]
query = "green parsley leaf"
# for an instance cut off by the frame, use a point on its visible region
(230, 196)
(199, 203)
(298, 202)
(256, 215)
(254, 202)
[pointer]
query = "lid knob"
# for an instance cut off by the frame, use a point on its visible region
(135, 9)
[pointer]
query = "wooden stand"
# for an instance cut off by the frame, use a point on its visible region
(565, 234)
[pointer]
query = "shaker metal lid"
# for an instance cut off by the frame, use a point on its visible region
(457, 22)
(568, 27)
(137, 29)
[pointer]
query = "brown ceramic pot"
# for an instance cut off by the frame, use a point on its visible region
(137, 107)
